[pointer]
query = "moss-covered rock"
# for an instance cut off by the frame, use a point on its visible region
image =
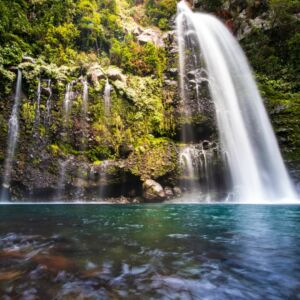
(153, 159)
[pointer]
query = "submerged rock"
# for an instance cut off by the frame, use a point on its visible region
(169, 192)
(153, 191)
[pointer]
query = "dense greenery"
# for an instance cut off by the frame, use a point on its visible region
(60, 31)
(275, 51)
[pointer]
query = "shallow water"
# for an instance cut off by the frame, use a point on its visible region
(149, 252)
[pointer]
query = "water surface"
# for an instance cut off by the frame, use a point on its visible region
(150, 252)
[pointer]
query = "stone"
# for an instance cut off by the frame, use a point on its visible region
(153, 191)
(137, 200)
(177, 191)
(123, 200)
(169, 192)
(169, 37)
(171, 83)
(206, 145)
(173, 71)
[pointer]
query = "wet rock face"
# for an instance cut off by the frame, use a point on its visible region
(153, 191)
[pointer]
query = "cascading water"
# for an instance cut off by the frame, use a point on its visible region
(13, 134)
(38, 102)
(48, 103)
(256, 166)
(68, 101)
(107, 98)
(85, 98)
(81, 173)
(67, 106)
(62, 178)
(197, 163)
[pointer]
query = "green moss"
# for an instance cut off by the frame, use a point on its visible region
(138, 59)
(55, 150)
(161, 11)
(284, 108)
(153, 159)
(28, 113)
(99, 152)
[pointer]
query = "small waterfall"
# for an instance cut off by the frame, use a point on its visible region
(198, 168)
(103, 178)
(187, 156)
(48, 103)
(85, 98)
(67, 106)
(256, 165)
(83, 145)
(68, 101)
(107, 98)
(63, 164)
(13, 134)
(38, 102)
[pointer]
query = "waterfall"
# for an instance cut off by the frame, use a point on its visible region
(246, 135)
(38, 102)
(85, 97)
(107, 98)
(67, 106)
(83, 144)
(197, 164)
(62, 178)
(13, 134)
(48, 103)
(68, 101)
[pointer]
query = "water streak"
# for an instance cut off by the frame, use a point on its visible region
(38, 102)
(48, 103)
(63, 164)
(68, 101)
(107, 98)
(197, 163)
(85, 98)
(67, 105)
(13, 135)
(256, 165)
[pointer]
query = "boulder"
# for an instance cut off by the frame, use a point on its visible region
(153, 191)
(171, 83)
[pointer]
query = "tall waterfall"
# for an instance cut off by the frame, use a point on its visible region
(48, 103)
(247, 138)
(85, 96)
(67, 107)
(68, 101)
(38, 102)
(107, 99)
(13, 134)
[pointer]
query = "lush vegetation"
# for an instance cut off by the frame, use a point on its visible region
(60, 31)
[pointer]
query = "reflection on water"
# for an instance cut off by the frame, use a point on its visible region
(150, 252)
